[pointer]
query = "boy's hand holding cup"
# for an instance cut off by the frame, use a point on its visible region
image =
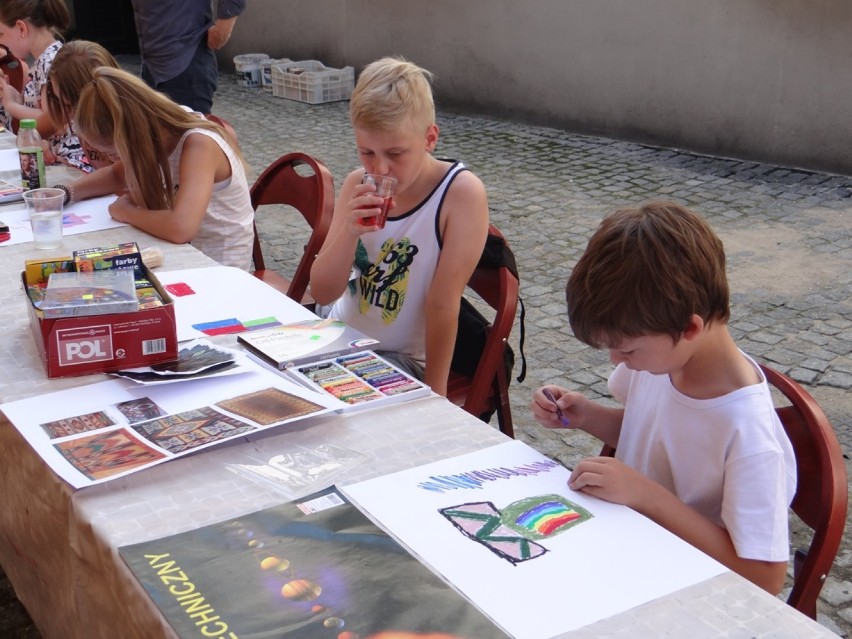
(385, 188)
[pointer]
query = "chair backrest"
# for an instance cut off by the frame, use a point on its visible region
(498, 287)
(229, 130)
(821, 489)
(821, 493)
(13, 69)
(309, 190)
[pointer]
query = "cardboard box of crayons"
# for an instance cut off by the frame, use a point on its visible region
(86, 344)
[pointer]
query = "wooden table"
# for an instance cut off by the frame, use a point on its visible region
(59, 547)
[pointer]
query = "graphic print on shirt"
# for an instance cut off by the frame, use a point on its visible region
(384, 284)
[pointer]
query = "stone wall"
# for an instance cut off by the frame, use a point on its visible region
(769, 80)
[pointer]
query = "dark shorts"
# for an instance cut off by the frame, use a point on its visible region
(195, 86)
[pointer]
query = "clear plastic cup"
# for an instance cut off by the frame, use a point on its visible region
(45, 209)
(385, 188)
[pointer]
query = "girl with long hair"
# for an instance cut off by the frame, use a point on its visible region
(34, 28)
(72, 70)
(178, 175)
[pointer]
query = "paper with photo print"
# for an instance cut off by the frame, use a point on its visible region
(198, 358)
(314, 568)
(96, 433)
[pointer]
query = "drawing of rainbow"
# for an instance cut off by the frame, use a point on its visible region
(543, 516)
(547, 517)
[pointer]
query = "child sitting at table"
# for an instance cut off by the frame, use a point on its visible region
(33, 28)
(699, 447)
(177, 176)
(409, 276)
(72, 70)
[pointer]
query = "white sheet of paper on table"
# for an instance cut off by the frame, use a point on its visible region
(9, 160)
(221, 293)
(80, 217)
(614, 561)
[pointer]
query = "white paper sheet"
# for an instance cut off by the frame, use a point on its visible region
(81, 217)
(33, 418)
(614, 561)
(225, 295)
(9, 160)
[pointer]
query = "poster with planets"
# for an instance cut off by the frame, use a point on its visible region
(503, 527)
(314, 568)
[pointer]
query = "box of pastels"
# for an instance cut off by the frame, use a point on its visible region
(81, 344)
(359, 380)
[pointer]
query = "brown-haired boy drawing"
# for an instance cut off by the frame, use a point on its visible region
(699, 448)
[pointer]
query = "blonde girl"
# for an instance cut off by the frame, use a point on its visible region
(177, 176)
(73, 68)
(34, 28)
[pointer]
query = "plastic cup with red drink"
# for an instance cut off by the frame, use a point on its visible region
(385, 187)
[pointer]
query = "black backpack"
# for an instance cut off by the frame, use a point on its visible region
(473, 327)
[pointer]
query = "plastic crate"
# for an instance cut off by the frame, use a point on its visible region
(266, 72)
(312, 82)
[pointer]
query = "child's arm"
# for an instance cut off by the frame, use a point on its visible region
(105, 181)
(202, 163)
(331, 269)
(465, 211)
(603, 422)
(13, 102)
(612, 480)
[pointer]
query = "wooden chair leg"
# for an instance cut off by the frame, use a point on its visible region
(504, 409)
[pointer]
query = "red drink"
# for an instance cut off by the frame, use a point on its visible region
(385, 187)
(380, 219)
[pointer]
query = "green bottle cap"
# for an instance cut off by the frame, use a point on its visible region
(29, 123)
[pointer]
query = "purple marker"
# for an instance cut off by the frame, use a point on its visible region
(564, 420)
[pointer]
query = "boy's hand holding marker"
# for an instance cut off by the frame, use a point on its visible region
(562, 418)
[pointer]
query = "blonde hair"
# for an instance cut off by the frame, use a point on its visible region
(118, 108)
(71, 71)
(390, 93)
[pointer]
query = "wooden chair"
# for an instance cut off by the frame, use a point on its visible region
(310, 190)
(488, 388)
(16, 74)
(222, 122)
(821, 495)
(14, 70)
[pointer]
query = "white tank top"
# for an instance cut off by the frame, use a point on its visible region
(227, 231)
(393, 270)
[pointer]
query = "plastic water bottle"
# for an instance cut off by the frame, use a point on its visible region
(31, 155)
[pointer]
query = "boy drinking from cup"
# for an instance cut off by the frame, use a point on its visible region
(402, 284)
(699, 447)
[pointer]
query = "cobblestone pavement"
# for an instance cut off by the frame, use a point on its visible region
(788, 235)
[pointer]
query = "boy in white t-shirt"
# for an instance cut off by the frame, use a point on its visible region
(699, 447)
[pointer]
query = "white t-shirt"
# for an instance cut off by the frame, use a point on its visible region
(728, 457)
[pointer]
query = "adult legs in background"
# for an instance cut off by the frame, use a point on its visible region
(195, 86)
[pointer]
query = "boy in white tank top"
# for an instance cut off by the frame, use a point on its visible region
(402, 284)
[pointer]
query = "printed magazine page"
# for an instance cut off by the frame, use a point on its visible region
(315, 568)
